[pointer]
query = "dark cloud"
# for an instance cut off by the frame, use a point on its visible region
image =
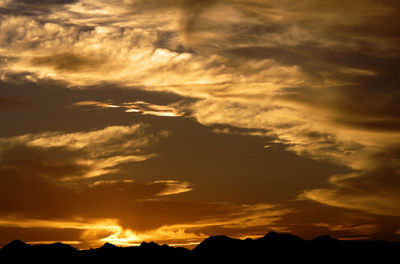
(68, 62)
(32, 8)
(358, 106)
(46, 163)
(373, 190)
(190, 11)
(383, 177)
(170, 40)
(282, 55)
(45, 2)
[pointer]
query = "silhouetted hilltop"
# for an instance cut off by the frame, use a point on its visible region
(280, 237)
(272, 248)
(217, 243)
(15, 245)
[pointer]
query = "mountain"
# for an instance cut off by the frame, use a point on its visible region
(15, 246)
(217, 243)
(271, 248)
(280, 237)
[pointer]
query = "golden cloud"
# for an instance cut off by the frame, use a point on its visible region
(97, 152)
(142, 107)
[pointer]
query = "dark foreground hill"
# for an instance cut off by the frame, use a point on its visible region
(272, 248)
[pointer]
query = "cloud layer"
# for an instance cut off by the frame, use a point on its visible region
(320, 77)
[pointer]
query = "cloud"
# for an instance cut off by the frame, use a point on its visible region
(360, 230)
(154, 188)
(174, 187)
(77, 155)
(96, 104)
(142, 107)
(29, 8)
(67, 62)
(46, 2)
(241, 132)
(372, 189)
(320, 77)
(190, 11)
(29, 223)
(97, 142)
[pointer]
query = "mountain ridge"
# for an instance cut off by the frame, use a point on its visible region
(273, 246)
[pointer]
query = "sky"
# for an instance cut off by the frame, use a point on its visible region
(125, 121)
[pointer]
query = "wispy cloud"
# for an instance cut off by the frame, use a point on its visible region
(142, 107)
(372, 188)
(97, 104)
(78, 154)
(358, 230)
(174, 187)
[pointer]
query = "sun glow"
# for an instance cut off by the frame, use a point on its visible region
(127, 237)
(124, 238)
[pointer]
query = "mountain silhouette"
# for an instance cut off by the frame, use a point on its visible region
(15, 246)
(280, 237)
(271, 248)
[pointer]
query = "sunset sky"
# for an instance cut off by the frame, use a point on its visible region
(125, 121)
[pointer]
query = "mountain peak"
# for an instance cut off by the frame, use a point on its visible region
(108, 246)
(151, 244)
(216, 243)
(276, 247)
(218, 238)
(16, 245)
(275, 236)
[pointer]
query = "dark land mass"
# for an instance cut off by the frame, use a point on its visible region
(272, 248)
